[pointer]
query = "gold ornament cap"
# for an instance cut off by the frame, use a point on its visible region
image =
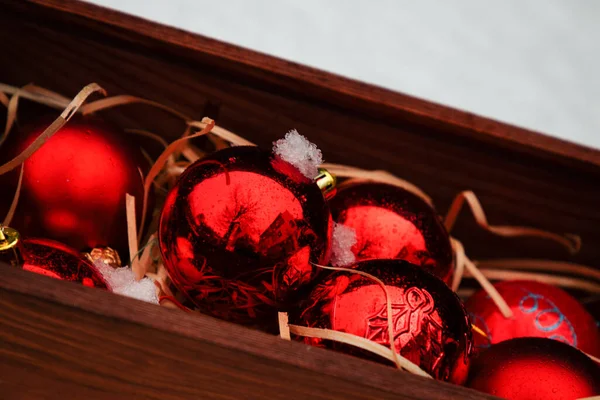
(10, 246)
(326, 182)
(9, 238)
(108, 256)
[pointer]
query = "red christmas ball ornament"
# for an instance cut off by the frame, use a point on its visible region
(391, 222)
(238, 234)
(74, 186)
(49, 258)
(539, 310)
(535, 369)
(54, 259)
(431, 327)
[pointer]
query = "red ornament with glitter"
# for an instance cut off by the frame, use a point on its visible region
(74, 186)
(535, 369)
(48, 258)
(539, 310)
(431, 327)
(391, 222)
(238, 234)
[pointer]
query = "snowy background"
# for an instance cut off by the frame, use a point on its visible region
(533, 63)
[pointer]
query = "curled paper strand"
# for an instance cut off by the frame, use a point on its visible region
(595, 359)
(11, 113)
(556, 280)
(284, 326)
(4, 99)
(473, 271)
(465, 293)
(57, 97)
(357, 341)
(132, 235)
(38, 94)
(13, 205)
(222, 133)
(479, 331)
(582, 271)
(362, 343)
(459, 261)
(146, 258)
(570, 241)
(125, 99)
(346, 171)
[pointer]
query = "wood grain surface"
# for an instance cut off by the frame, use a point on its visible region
(521, 177)
(63, 340)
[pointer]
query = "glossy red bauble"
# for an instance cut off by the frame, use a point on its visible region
(535, 369)
(238, 234)
(391, 222)
(74, 186)
(539, 310)
(431, 327)
(56, 260)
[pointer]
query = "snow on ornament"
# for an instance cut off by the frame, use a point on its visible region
(300, 152)
(343, 239)
(122, 281)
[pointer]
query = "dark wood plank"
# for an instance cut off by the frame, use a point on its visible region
(322, 84)
(62, 340)
(252, 95)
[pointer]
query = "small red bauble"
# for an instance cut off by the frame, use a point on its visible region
(535, 369)
(539, 310)
(431, 327)
(391, 222)
(74, 186)
(238, 234)
(56, 260)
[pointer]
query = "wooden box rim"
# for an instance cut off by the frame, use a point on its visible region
(21, 292)
(383, 100)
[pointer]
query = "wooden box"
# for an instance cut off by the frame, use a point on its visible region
(59, 340)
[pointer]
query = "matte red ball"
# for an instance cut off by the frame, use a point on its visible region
(540, 310)
(74, 186)
(391, 222)
(238, 234)
(431, 327)
(535, 369)
(56, 260)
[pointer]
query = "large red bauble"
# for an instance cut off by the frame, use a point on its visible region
(539, 310)
(56, 260)
(74, 186)
(391, 222)
(535, 369)
(431, 327)
(238, 234)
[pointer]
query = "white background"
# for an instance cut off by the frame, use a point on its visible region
(533, 63)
